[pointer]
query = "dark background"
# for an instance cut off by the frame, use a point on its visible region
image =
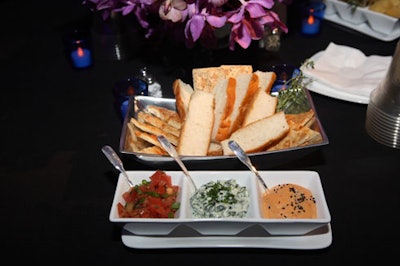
(57, 186)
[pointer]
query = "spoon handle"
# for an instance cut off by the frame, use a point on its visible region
(116, 161)
(172, 152)
(244, 158)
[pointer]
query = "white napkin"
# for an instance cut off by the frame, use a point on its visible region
(347, 69)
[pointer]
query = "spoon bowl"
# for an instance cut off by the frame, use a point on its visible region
(245, 159)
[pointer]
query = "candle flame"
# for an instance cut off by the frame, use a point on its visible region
(80, 52)
(310, 19)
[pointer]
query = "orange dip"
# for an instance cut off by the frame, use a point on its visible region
(288, 201)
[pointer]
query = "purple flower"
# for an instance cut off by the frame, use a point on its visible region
(174, 10)
(249, 20)
(198, 18)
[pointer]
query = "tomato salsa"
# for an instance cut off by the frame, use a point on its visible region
(156, 198)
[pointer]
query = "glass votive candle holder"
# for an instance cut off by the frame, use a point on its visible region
(79, 49)
(312, 16)
(124, 89)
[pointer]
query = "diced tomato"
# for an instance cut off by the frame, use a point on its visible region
(153, 199)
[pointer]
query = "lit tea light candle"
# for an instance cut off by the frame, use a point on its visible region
(311, 24)
(81, 57)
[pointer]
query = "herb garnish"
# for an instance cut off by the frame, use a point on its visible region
(293, 99)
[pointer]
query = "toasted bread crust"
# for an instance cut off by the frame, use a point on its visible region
(153, 150)
(169, 116)
(134, 143)
(205, 78)
(154, 130)
(267, 79)
(251, 89)
(150, 138)
(182, 92)
(157, 122)
(215, 149)
(303, 119)
(222, 121)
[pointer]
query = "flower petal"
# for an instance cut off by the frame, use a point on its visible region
(196, 25)
(216, 21)
(255, 10)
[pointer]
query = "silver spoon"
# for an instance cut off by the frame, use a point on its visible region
(244, 158)
(172, 152)
(116, 161)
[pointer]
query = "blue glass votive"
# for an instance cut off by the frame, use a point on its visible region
(80, 49)
(312, 14)
(310, 25)
(124, 89)
(81, 57)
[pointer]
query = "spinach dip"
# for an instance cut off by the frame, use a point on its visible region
(220, 199)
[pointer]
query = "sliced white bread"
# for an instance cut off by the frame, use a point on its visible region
(262, 105)
(206, 78)
(182, 92)
(215, 149)
(196, 130)
(246, 86)
(257, 136)
(232, 71)
(224, 95)
(266, 80)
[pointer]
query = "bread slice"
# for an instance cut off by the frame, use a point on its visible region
(257, 136)
(305, 119)
(154, 130)
(232, 71)
(182, 92)
(215, 149)
(171, 117)
(224, 94)
(153, 150)
(196, 130)
(157, 122)
(150, 138)
(262, 105)
(205, 78)
(133, 143)
(266, 80)
(297, 136)
(246, 86)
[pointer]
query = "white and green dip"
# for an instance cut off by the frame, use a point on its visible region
(220, 199)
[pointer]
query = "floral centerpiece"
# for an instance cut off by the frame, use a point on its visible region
(196, 21)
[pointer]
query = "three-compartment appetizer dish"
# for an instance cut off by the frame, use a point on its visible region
(234, 200)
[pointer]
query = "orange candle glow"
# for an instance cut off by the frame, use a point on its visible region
(311, 19)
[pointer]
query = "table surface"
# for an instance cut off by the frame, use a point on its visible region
(58, 186)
